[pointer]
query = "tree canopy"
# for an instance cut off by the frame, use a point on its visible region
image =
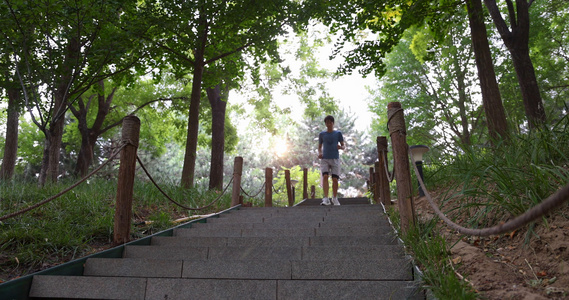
(75, 69)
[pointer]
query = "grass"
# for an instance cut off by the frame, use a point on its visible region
(431, 253)
(483, 187)
(81, 221)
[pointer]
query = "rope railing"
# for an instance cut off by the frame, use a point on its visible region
(175, 202)
(256, 194)
(390, 175)
(279, 190)
(17, 213)
(553, 201)
(401, 158)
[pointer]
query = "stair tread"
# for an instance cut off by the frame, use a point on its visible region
(345, 252)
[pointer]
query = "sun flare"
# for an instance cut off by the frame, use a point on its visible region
(280, 147)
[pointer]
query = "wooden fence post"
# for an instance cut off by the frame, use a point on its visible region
(384, 190)
(125, 184)
(288, 188)
(237, 171)
(398, 134)
(376, 186)
(305, 184)
(370, 181)
(268, 187)
(312, 192)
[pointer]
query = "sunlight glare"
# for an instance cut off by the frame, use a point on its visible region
(280, 147)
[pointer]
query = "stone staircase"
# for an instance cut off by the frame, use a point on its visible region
(302, 252)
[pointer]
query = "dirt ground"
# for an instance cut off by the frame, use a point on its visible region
(508, 266)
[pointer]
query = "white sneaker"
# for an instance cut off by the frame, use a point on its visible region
(325, 201)
(335, 201)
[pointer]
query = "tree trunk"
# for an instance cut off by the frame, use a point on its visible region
(42, 178)
(461, 103)
(193, 126)
(11, 146)
(54, 134)
(491, 98)
(84, 157)
(188, 170)
(218, 108)
(517, 42)
(89, 136)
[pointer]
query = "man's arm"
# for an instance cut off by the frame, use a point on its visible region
(319, 150)
(342, 146)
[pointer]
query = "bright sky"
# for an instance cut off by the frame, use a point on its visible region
(349, 90)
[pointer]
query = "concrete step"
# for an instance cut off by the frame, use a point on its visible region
(379, 269)
(301, 252)
(343, 201)
(84, 287)
(176, 241)
(76, 287)
(263, 252)
(330, 222)
(294, 241)
(266, 224)
(290, 232)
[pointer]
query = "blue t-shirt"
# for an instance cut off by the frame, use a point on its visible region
(329, 141)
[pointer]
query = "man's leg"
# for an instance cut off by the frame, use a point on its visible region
(335, 186)
(325, 185)
(325, 169)
(335, 169)
(335, 190)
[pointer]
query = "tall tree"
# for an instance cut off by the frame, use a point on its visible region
(491, 98)
(103, 108)
(218, 101)
(11, 145)
(516, 39)
(389, 20)
(199, 33)
(69, 45)
(434, 82)
(90, 134)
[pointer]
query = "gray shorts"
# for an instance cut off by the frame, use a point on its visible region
(330, 166)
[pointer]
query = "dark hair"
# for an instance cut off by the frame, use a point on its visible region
(329, 117)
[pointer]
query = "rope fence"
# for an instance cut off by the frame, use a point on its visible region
(401, 158)
(532, 214)
(17, 213)
(175, 202)
(256, 194)
(380, 184)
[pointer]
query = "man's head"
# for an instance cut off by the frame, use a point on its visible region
(329, 121)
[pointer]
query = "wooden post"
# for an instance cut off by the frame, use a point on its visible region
(305, 184)
(376, 187)
(237, 171)
(288, 188)
(384, 190)
(268, 187)
(398, 134)
(370, 181)
(125, 184)
(312, 192)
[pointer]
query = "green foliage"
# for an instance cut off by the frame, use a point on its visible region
(81, 221)
(431, 253)
(296, 173)
(436, 87)
(30, 149)
(493, 185)
(58, 231)
(387, 19)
